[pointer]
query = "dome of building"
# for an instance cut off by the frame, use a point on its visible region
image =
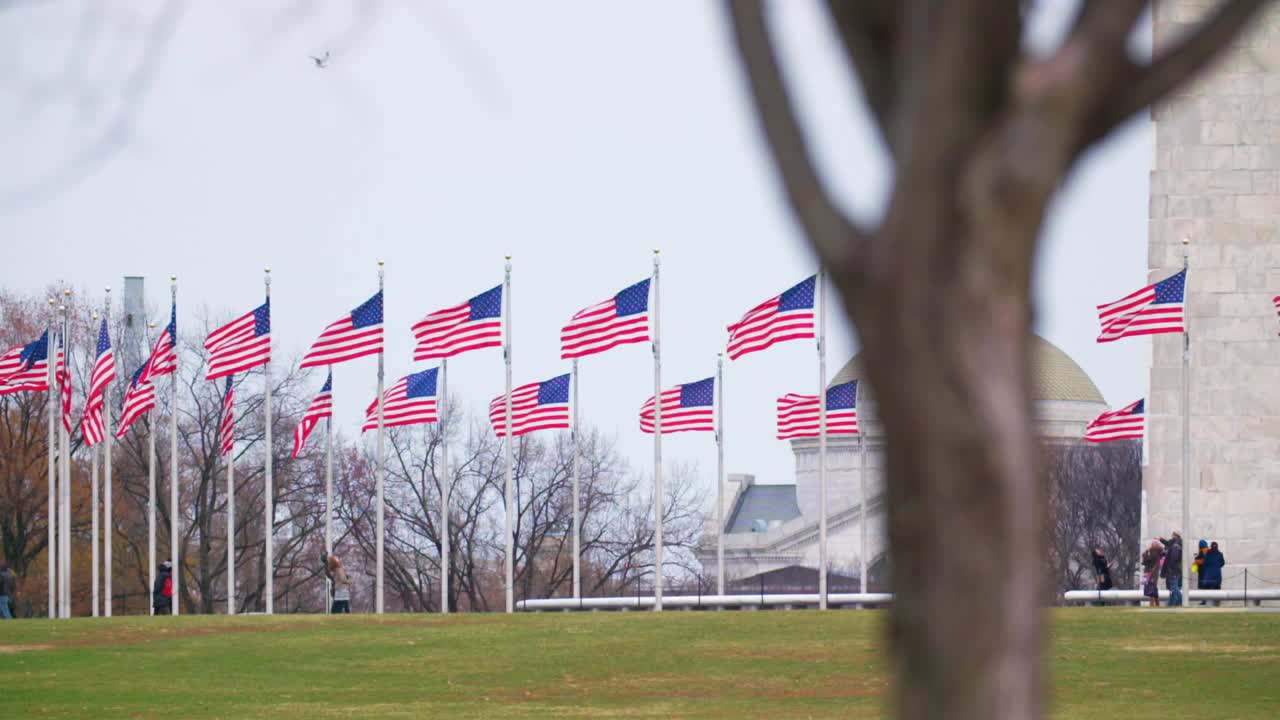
(1057, 376)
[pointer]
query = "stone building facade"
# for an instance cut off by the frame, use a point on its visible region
(1216, 181)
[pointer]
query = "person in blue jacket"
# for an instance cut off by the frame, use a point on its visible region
(1211, 568)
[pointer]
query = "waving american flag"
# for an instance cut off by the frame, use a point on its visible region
(321, 407)
(622, 319)
(685, 408)
(227, 429)
(104, 371)
(789, 316)
(1152, 310)
(164, 355)
(536, 406)
(1126, 423)
(26, 367)
(412, 400)
(138, 399)
(354, 335)
(241, 344)
(798, 414)
(475, 324)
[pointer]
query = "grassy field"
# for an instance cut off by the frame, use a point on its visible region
(1106, 663)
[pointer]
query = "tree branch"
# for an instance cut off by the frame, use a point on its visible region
(834, 236)
(868, 31)
(1139, 87)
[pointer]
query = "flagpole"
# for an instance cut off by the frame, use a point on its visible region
(381, 482)
(93, 503)
(64, 528)
(52, 521)
(328, 472)
(506, 352)
(443, 428)
(862, 493)
(108, 536)
(231, 529)
(720, 473)
(657, 437)
(577, 513)
(1186, 426)
(269, 490)
(822, 443)
(174, 551)
(151, 496)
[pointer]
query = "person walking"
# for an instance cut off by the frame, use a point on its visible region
(1150, 569)
(341, 587)
(1211, 568)
(162, 591)
(1101, 571)
(8, 592)
(1197, 561)
(1172, 571)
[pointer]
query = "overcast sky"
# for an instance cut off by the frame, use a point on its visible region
(199, 140)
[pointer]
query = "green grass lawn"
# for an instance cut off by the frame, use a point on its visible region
(1106, 663)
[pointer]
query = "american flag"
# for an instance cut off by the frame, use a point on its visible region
(798, 414)
(164, 356)
(139, 398)
(788, 316)
(355, 335)
(26, 367)
(475, 324)
(321, 407)
(685, 408)
(227, 429)
(1123, 424)
(412, 400)
(64, 389)
(536, 406)
(1153, 309)
(104, 371)
(241, 344)
(622, 319)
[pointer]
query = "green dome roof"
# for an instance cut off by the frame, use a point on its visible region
(1057, 376)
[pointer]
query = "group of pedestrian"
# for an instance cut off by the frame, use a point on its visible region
(1163, 559)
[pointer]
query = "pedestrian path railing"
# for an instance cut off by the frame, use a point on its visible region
(1135, 597)
(708, 602)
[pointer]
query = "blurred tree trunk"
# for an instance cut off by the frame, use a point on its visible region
(980, 135)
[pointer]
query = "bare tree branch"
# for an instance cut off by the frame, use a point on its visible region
(1138, 86)
(836, 238)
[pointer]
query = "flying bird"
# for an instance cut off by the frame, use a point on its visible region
(321, 62)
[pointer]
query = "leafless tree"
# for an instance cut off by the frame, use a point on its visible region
(980, 133)
(1095, 498)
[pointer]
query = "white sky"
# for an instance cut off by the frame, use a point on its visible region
(576, 136)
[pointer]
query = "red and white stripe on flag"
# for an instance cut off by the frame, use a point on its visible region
(138, 399)
(789, 316)
(1155, 309)
(64, 389)
(798, 418)
(620, 320)
(240, 345)
(1126, 423)
(321, 407)
(473, 325)
(678, 417)
(536, 406)
(227, 429)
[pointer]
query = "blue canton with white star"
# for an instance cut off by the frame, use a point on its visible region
(487, 304)
(799, 297)
(843, 396)
(698, 394)
(1171, 289)
(370, 313)
(36, 351)
(262, 319)
(104, 339)
(555, 390)
(633, 300)
(421, 384)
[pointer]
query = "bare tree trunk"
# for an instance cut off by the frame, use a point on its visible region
(980, 135)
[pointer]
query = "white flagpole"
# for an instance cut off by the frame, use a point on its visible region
(151, 497)
(93, 503)
(720, 474)
(822, 443)
(862, 493)
(328, 472)
(1186, 428)
(175, 551)
(64, 528)
(657, 439)
(108, 527)
(443, 427)
(269, 488)
(577, 515)
(381, 481)
(52, 547)
(231, 530)
(510, 501)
